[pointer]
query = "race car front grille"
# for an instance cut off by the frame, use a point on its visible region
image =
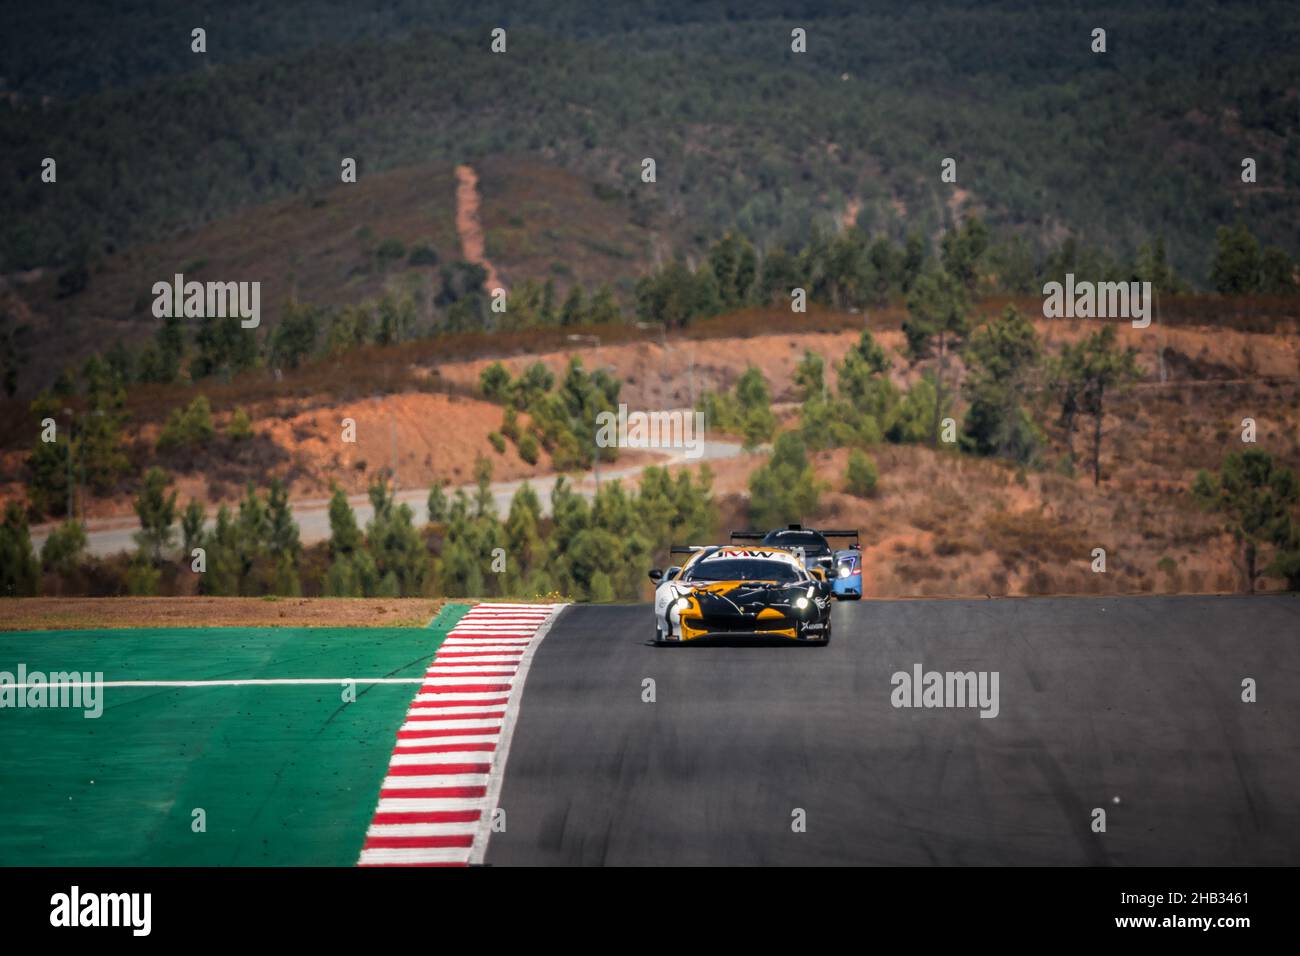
(740, 624)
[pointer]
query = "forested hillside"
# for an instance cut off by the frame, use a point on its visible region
(1140, 143)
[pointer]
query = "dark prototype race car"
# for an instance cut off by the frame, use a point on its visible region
(809, 542)
(742, 595)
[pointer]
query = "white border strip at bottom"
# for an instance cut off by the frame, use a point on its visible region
(496, 777)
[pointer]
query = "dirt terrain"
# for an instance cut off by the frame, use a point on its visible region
(426, 436)
(468, 226)
(938, 524)
(948, 525)
(322, 248)
(665, 372)
(420, 437)
(81, 613)
(945, 524)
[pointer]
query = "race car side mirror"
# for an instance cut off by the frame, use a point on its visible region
(656, 574)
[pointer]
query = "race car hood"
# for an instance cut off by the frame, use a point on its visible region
(745, 597)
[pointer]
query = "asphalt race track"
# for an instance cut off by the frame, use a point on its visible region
(1128, 704)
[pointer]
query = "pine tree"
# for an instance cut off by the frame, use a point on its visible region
(352, 571)
(938, 322)
(1257, 495)
(1087, 374)
(282, 540)
(223, 574)
(399, 553)
(604, 308)
(573, 311)
(64, 548)
(295, 337)
(484, 502)
(20, 574)
(523, 533)
(810, 377)
(1236, 269)
(98, 444)
(962, 250)
(252, 530)
(156, 510)
(192, 521)
(437, 504)
(1003, 356)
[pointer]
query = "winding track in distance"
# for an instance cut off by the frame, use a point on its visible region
(1135, 698)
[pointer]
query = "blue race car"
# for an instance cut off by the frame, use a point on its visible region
(846, 579)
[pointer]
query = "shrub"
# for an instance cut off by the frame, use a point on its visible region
(295, 337)
(240, 427)
(528, 449)
(510, 424)
(73, 280)
(862, 475)
(494, 382)
(916, 415)
(784, 489)
(758, 426)
(64, 548)
(746, 411)
(188, 428)
(601, 591)
(142, 579)
(423, 254)
(390, 250)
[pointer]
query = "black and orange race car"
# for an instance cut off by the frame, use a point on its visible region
(740, 595)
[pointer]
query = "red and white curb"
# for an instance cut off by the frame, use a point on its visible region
(444, 777)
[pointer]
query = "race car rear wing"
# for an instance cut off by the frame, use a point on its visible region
(842, 534)
(751, 535)
(686, 548)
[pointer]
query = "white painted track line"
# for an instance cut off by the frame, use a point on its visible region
(263, 682)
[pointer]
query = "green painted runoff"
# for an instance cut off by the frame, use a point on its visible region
(283, 775)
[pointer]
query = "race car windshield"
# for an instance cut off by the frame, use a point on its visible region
(744, 569)
(809, 542)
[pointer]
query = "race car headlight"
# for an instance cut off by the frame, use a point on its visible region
(683, 603)
(844, 570)
(801, 602)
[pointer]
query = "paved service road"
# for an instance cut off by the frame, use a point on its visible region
(108, 536)
(1128, 704)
